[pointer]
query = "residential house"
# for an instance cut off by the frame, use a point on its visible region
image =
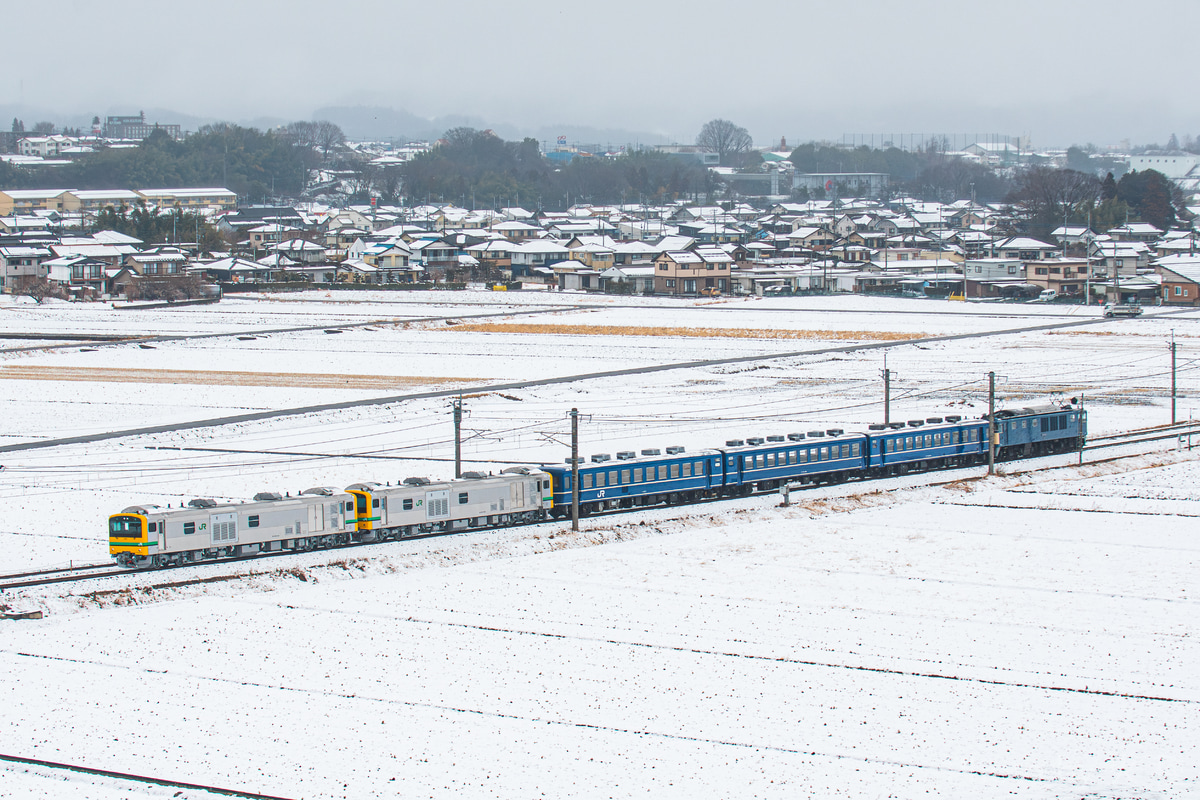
(691, 272)
(1180, 276)
(21, 261)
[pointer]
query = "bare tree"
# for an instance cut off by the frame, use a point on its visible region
(327, 136)
(1051, 196)
(724, 138)
(37, 287)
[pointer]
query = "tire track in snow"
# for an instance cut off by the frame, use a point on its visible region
(565, 723)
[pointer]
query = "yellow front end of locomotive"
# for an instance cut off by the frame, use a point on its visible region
(129, 533)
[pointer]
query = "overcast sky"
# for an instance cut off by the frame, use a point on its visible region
(1059, 71)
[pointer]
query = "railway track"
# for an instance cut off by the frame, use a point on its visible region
(90, 572)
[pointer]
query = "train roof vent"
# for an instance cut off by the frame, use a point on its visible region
(953, 418)
(474, 476)
(202, 502)
(600, 458)
(796, 437)
(263, 497)
(676, 449)
(754, 440)
(625, 455)
(146, 509)
(574, 460)
(775, 438)
(835, 431)
(416, 481)
(816, 434)
(734, 443)
(933, 420)
(916, 423)
(896, 425)
(878, 426)
(651, 451)
(367, 486)
(516, 471)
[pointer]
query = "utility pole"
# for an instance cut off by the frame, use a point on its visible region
(1172, 348)
(458, 437)
(887, 392)
(991, 432)
(574, 469)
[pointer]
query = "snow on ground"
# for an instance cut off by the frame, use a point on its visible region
(1028, 635)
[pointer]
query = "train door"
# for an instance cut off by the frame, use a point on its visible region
(516, 495)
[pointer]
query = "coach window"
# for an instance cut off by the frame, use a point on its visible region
(929, 440)
(770, 459)
(637, 475)
(687, 469)
(189, 528)
(252, 521)
(674, 470)
(624, 476)
(586, 479)
(824, 453)
(599, 479)
(908, 445)
(612, 478)
(854, 450)
(662, 472)
(462, 498)
(408, 505)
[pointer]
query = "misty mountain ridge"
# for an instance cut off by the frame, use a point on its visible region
(360, 123)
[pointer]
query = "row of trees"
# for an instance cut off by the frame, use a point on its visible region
(255, 164)
(477, 168)
(1053, 197)
(158, 228)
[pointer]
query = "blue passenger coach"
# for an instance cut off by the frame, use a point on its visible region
(630, 482)
(933, 443)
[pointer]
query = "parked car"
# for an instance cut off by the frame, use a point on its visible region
(1047, 296)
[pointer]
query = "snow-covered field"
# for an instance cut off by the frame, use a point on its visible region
(1029, 635)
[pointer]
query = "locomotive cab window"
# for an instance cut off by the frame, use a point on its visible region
(152, 527)
(125, 528)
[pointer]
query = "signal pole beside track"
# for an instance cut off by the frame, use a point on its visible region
(991, 434)
(574, 469)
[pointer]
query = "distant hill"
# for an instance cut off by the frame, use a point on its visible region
(379, 123)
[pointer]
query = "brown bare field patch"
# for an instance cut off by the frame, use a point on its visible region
(217, 377)
(693, 333)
